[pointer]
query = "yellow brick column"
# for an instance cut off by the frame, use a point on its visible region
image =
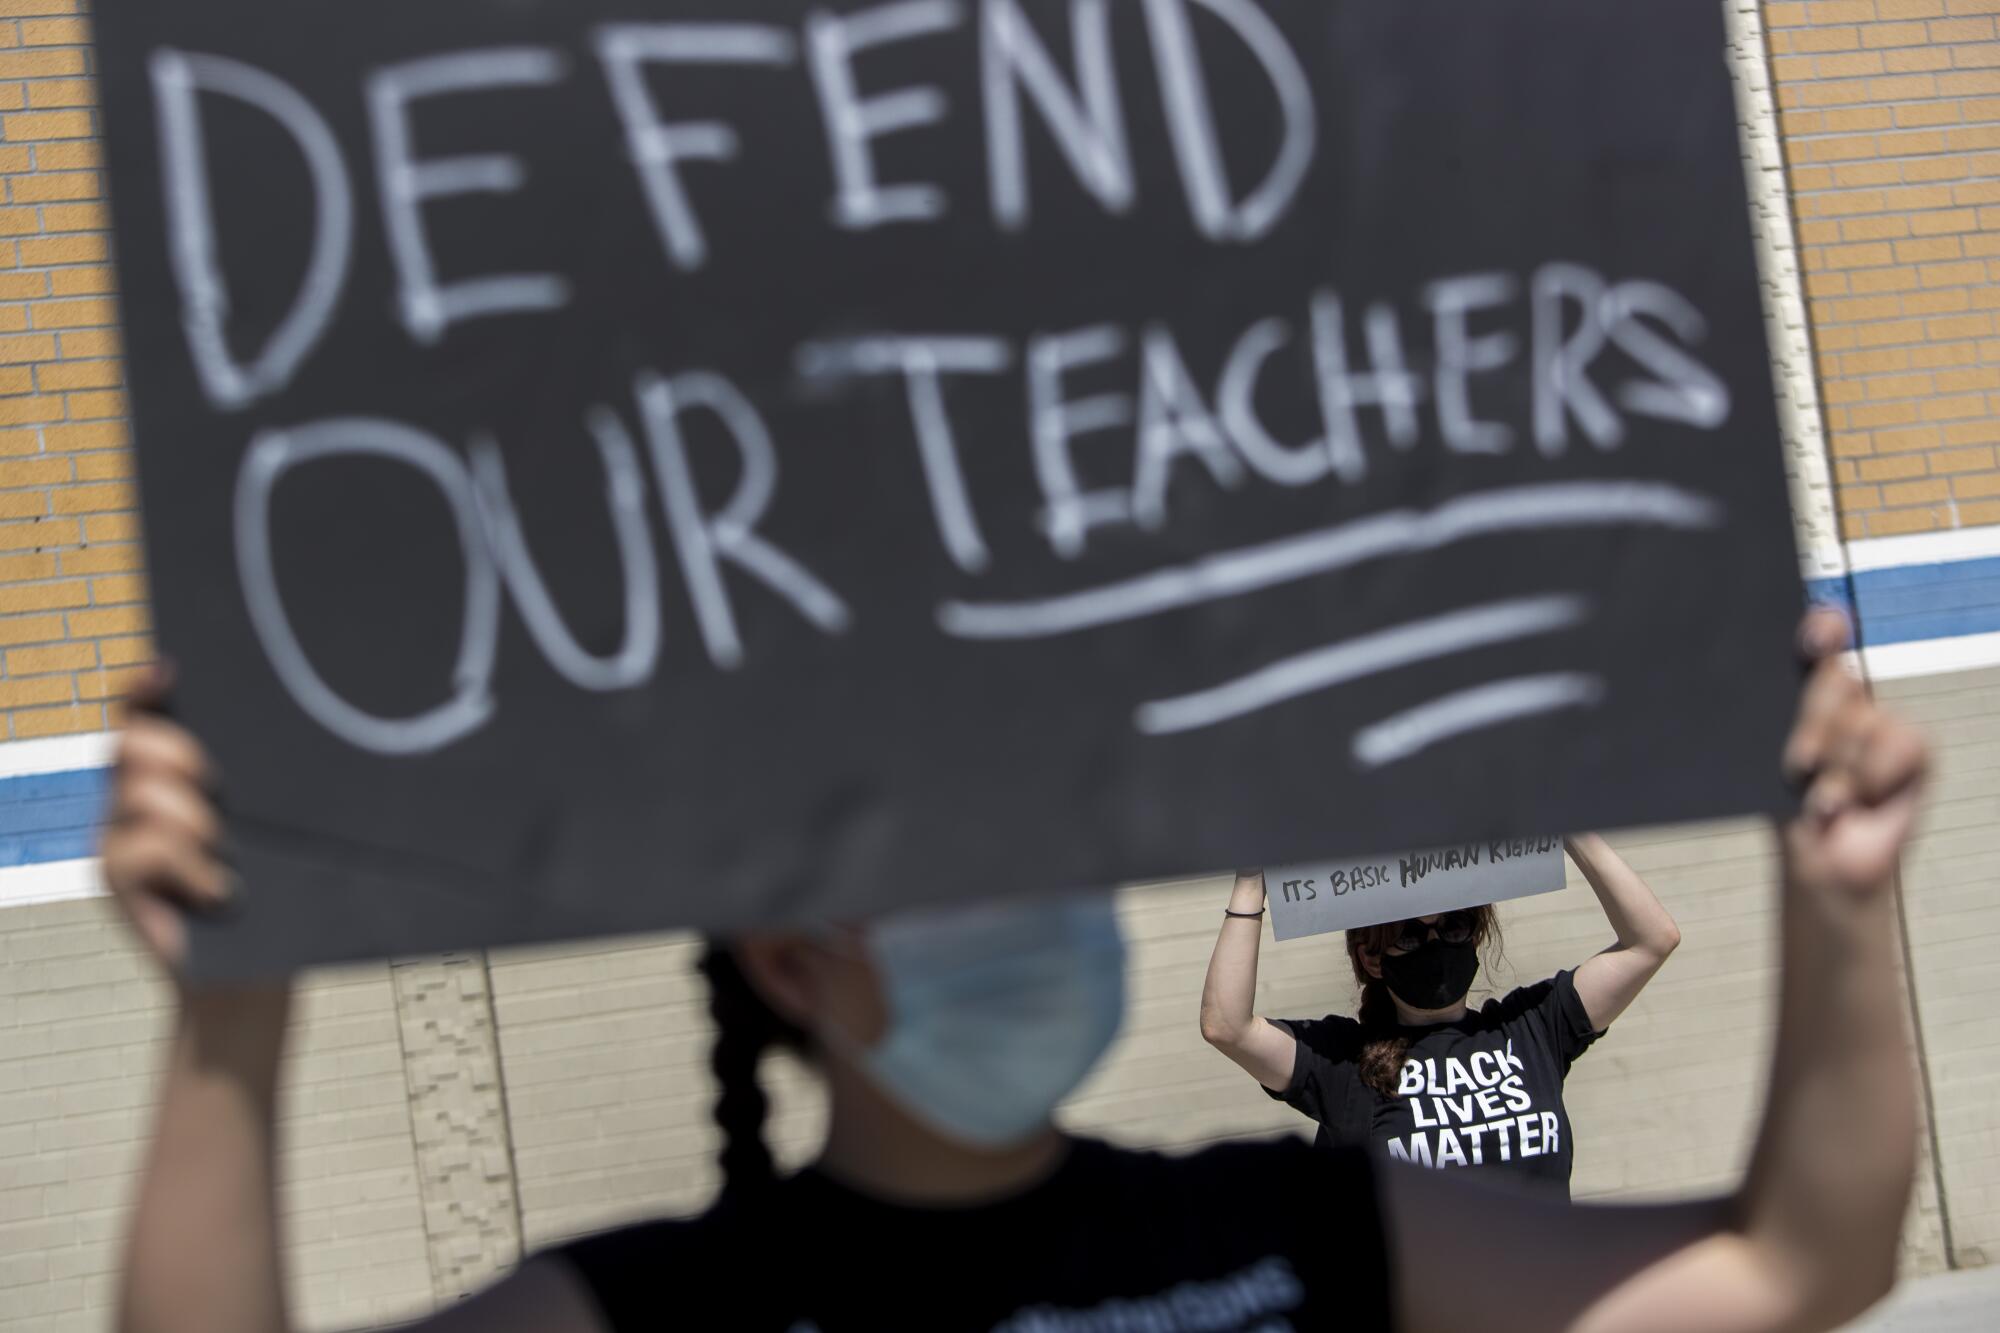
(72, 601)
(1891, 115)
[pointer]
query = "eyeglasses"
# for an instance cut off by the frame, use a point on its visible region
(1452, 928)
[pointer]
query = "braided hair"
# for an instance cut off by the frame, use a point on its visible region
(1383, 1042)
(745, 1029)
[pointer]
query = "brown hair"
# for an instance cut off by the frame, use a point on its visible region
(1383, 1044)
(745, 1028)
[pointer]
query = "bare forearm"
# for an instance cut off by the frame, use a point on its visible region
(1638, 918)
(1831, 1177)
(1229, 994)
(203, 1254)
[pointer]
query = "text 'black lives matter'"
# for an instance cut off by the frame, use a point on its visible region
(614, 466)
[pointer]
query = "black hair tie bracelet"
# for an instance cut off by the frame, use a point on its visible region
(1257, 915)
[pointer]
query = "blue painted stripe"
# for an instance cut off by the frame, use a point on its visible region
(51, 816)
(1879, 630)
(1919, 603)
(1831, 592)
(42, 849)
(88, 782)
(47, 817)
(27, 818)
(1957, 571)
(1918, 598)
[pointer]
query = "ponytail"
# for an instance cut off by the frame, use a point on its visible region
(745, 1029)
(1383, 1043)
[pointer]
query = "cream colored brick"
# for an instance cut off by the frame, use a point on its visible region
(95, 1051)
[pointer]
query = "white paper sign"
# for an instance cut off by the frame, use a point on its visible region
(1319, 897)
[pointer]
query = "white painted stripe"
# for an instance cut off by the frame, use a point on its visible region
(1396, 738)
(1365, 655)
(1924, 548)
(1933, 657)
(51, 882)
(1513, 509)
(57, 754)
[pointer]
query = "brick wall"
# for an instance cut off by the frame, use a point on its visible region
(603, 1054)
(1891, 112)
(1891, 124)
(72, 613)
(1954, 924)
(402, 1188)
(605, 1049)
(83, 1025)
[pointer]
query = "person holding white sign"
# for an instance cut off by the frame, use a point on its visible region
(946, 1199)
(1418, 1074)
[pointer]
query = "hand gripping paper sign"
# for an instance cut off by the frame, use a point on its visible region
(1323, 896)
(616, 466)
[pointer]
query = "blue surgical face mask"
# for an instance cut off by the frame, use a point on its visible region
(996, 1012)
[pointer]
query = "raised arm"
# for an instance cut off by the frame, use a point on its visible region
(1810, 1240)
(1608, 982)
(203, 1255)
(1229, 1021)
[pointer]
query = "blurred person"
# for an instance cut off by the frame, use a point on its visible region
(944, 1198)
(1419, 1075)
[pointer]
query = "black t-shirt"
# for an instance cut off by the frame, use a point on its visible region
(1257, 1237)
(1484, 1092)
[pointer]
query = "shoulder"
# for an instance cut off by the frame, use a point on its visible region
(1525, 999)
(1337, 1037)
(1552, 1007)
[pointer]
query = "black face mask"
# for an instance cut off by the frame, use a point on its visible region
(1433, 977)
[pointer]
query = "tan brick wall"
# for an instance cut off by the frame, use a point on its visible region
(80, 1035)
(604, 1054)
(82, 1031)
(1907, 346)
(605, 1050)
(1954, 914)
(72, 599)
(1891, 113)
(1665, 1106)
(1889, 120)
(1667, 1103)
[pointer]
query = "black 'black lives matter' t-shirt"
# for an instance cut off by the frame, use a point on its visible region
(1483, 1092)
(1243, 1238)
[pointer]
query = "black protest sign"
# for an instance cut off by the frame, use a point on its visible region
(613, 466)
